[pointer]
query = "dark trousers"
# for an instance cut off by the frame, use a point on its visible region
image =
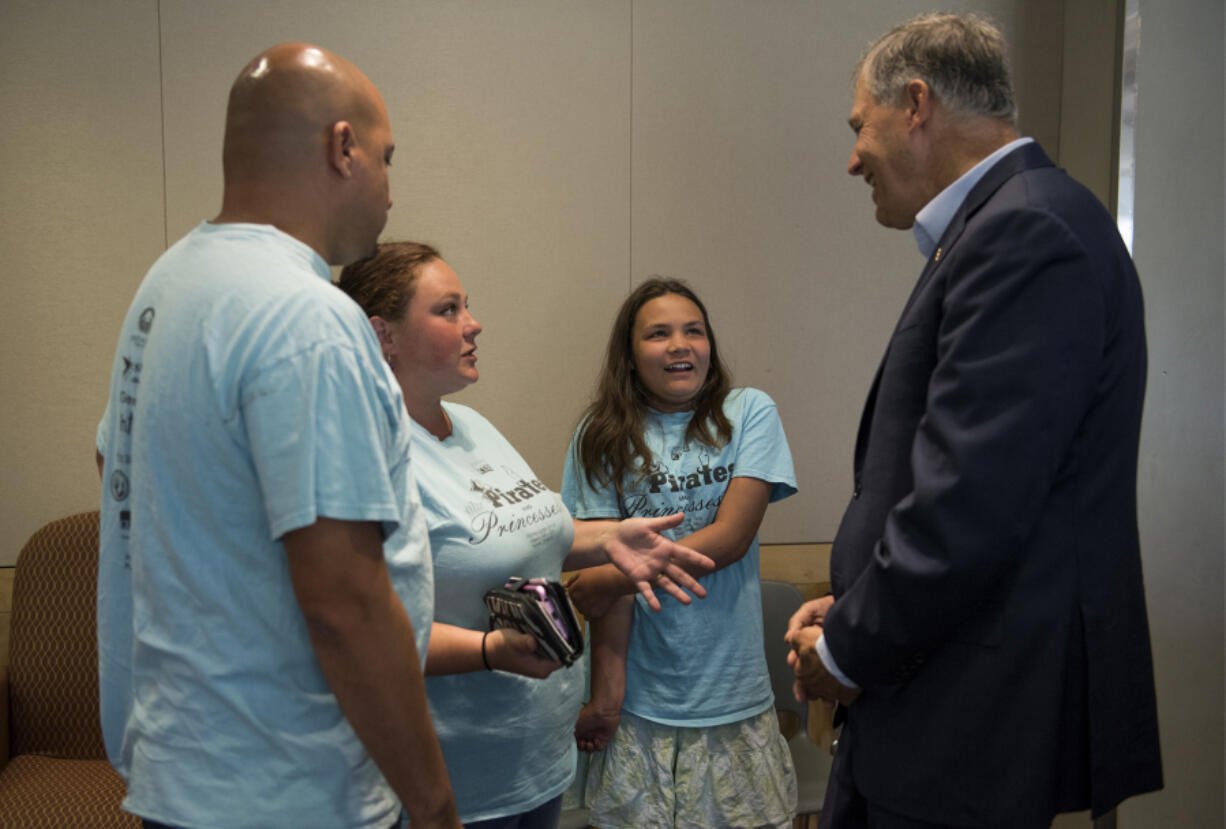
(544, 816)
(149, 824)
(846, 808)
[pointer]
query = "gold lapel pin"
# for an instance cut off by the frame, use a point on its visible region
(936, 257)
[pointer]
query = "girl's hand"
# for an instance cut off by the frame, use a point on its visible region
(596, 726)
(652, 561)
(515, 652)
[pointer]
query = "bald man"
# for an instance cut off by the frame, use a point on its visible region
(265, 590)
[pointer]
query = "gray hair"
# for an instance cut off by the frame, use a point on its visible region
(961, 58)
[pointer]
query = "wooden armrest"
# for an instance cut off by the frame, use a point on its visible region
(801, 564)
(4, 715)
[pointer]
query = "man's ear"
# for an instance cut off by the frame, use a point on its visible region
(917, 101)
(341, 143)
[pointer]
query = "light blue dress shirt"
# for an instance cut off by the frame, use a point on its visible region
(935, 216)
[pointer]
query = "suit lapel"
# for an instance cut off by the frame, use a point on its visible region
(1026, 157)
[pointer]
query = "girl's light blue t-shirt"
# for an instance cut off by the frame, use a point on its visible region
(701, 664)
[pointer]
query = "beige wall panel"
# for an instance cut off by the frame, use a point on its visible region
(740, 187)
(1180, 218)
(1035, 31)
(512, 130)
(1089, 117)
(80, 220)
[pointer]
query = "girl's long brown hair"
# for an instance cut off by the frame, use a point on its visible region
(611, 446)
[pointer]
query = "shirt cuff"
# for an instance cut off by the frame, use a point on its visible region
(824, 653)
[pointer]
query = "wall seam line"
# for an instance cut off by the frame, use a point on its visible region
(630, 157)
(162, 122)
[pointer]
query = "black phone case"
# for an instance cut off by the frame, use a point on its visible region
(511, 607)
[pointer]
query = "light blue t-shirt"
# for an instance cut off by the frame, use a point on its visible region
(248, 398)
(701, 664)
(508, 740)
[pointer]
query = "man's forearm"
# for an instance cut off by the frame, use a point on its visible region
(363, 641)
(372, 668)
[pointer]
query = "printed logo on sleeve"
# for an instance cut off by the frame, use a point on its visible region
(119, 485)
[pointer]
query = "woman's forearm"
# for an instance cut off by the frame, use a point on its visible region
(453, 650)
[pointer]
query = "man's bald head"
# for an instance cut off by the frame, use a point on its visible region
(285, 100)
(307, 143)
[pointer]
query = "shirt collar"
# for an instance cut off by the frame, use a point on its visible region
(934, 218)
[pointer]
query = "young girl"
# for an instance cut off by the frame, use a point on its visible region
(696, 742)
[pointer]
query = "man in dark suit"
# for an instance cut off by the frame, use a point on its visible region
(987, 634)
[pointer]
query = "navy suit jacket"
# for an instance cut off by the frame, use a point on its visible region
(987, 571)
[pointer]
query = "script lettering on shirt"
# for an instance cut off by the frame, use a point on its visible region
(488, 523)
(702, 476)
(691, 504)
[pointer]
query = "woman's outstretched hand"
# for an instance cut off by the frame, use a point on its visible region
(652, 561)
